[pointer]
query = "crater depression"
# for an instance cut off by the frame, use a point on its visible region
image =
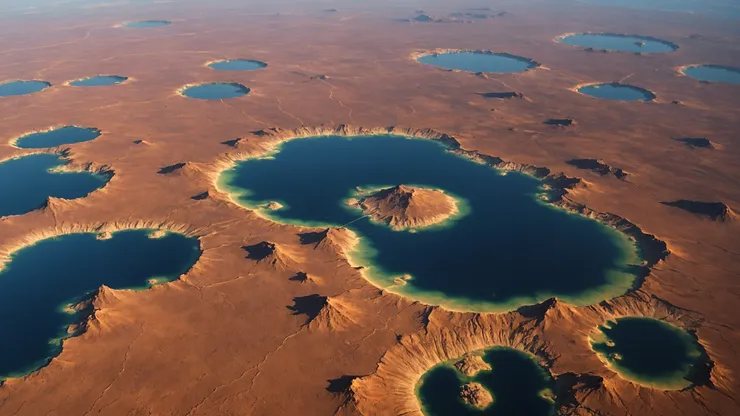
(27, 182)
(99, 81)
(56, 136)
(43, 286)
(616, 91)
(478, 61)
(652, 353)
(507, 382)
(579, 260)
(11, 88)
(214, 91)
(237, 65)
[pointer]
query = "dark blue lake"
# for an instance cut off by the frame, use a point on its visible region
(237, 65)
(650, 352)
(57, 136)
(618, 92)
(43, 279)
(9, 89)
(509, 249)
(616, 42)
(516, 382)
(26, 183)
(479, 61)
(215, 91)
(714, 73)
(98, 81)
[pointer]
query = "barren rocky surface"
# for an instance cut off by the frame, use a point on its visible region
(241, 332)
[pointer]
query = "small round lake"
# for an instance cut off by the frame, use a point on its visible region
(714, 73)
(12, 88)
(26, 182)
(57, 137)
(479, 61)
(215, 91)
(617, 42)
(651, 352)
(146, 24)
(476, 262)
(99, 81)
(40, 282)
(517, 384)
(618, 92)
(237, 65)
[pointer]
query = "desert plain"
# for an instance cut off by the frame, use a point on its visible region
(274, 318)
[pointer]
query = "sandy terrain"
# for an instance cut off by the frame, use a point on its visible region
(237, 335)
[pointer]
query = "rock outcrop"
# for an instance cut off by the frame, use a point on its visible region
(502, 95)
(201, 196)
(271, 254)
(716, 211)
(340, 240)
(181, 169)
(326, 313)
(598, 166)
(560, 122)
(303, 277)
(336, 314)
(472, 364)
(404, 207)
(474, 394)
(697, 142)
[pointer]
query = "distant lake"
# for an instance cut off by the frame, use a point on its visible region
(714, 73)
(618, 92)
(57, 136)
(616, 42)
(479, 62)
(237, 65)
(215, 91)
(98, 81)
(146, 24)
(9, 89)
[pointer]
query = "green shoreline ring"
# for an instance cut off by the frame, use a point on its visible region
(547, 393)
(676, 381)
(618, 283)
(65, 306)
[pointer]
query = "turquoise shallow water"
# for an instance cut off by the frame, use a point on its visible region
(618, 92)
(515, 381)
(509, 250)
(237, 65)
(9, 89)
(215, 91)
(478, 62)
(651, 352)
(26, 183)
(98, 81)
(146, 24)
(714, 73)
(616, 42)
(57, 137)
(42, 279)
